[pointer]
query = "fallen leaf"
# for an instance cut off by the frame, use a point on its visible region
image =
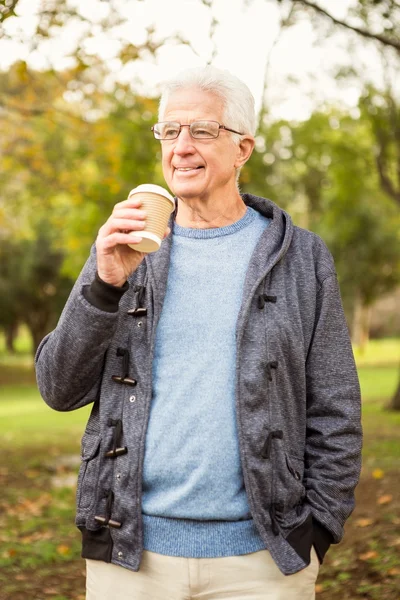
(31, 473)
(378, 474)
(385, 499)
(394, 572)
(26, 507)
(319, 588)
(50, 591)
(63, 550)
(364, 522)
(395, 542)
(368, 555)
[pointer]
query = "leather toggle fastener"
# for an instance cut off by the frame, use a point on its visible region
(116, 452)
(263, 298)
(110, 522)
(140, 311)
(125, 379)
(107, 520)
(266, 451)
(137, 312)
(116, 449)
(271, 365)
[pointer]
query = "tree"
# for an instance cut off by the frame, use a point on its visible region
(33, 288)
(7, 9)
(381, 19)
(323, 171)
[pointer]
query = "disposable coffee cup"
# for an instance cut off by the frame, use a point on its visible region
(158, 204)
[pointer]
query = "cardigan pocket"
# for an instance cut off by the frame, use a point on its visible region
(288, 488)
(88, 470)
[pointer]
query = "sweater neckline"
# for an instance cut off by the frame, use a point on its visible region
(248, 217)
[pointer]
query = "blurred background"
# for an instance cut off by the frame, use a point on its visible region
(79, 87)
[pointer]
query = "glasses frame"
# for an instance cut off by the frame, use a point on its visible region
(190, 130)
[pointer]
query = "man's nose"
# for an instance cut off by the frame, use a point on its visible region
(184, 142)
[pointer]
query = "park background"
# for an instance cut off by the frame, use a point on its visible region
(79, 84)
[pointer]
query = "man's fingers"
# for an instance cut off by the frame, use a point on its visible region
(114, 225)
(119, 238)
(130, 203)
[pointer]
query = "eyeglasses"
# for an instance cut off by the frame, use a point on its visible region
(199, 130)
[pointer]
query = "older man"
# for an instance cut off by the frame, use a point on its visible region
(223, 447)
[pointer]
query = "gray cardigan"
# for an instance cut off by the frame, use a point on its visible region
(297, 395)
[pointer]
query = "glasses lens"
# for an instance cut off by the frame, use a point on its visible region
(203, 130)
(166, 131)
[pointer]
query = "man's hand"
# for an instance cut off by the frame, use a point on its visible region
(115, 259)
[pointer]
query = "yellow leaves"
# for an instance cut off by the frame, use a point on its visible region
(37, 536)
(31, 473)
(395, 542)
(128, 52)
(319, 588)
(378, 474)
(394, 572)
(385, 499)
(368, 555)
(364, 522)
(25, 507)
(63, 550)
(21, 71)
(74, 243)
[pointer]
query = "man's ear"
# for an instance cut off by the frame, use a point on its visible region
(244, 150)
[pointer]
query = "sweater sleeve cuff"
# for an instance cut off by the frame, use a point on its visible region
(322, 539)
(104, 296)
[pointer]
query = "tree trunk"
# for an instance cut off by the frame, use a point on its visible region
(38, 325)
(10, 333)
(395, 402)
(361, 324)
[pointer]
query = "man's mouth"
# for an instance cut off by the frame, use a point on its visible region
(184, 169)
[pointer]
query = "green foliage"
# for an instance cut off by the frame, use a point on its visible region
(7, 9)
(34, 291)
(323, 172)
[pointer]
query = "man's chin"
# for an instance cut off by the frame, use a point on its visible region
(185, 194)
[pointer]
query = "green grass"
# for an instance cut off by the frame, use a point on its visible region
(37, 535)
(379, 352)
(23, 344)
(378, 382)
(26, 419)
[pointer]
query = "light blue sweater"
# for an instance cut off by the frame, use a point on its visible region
(194, 501)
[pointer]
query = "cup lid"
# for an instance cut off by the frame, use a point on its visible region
(155, 189)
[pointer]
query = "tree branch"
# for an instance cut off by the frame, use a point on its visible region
(364, 32)
(386, 183)
(7, 10)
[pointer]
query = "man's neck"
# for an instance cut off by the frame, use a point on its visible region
(201, 216)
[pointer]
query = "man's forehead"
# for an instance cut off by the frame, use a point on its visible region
(194, 104)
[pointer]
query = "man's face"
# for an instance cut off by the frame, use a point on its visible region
(198, 169)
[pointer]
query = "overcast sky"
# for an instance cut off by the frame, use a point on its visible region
(243, 38)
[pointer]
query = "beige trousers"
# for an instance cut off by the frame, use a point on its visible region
(252, 576)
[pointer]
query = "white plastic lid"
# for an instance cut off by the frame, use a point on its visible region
(155, 189)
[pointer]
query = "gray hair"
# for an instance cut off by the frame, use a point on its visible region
(239, 112)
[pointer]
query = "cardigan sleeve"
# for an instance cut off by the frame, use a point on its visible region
(333, 419)
(69, 360)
